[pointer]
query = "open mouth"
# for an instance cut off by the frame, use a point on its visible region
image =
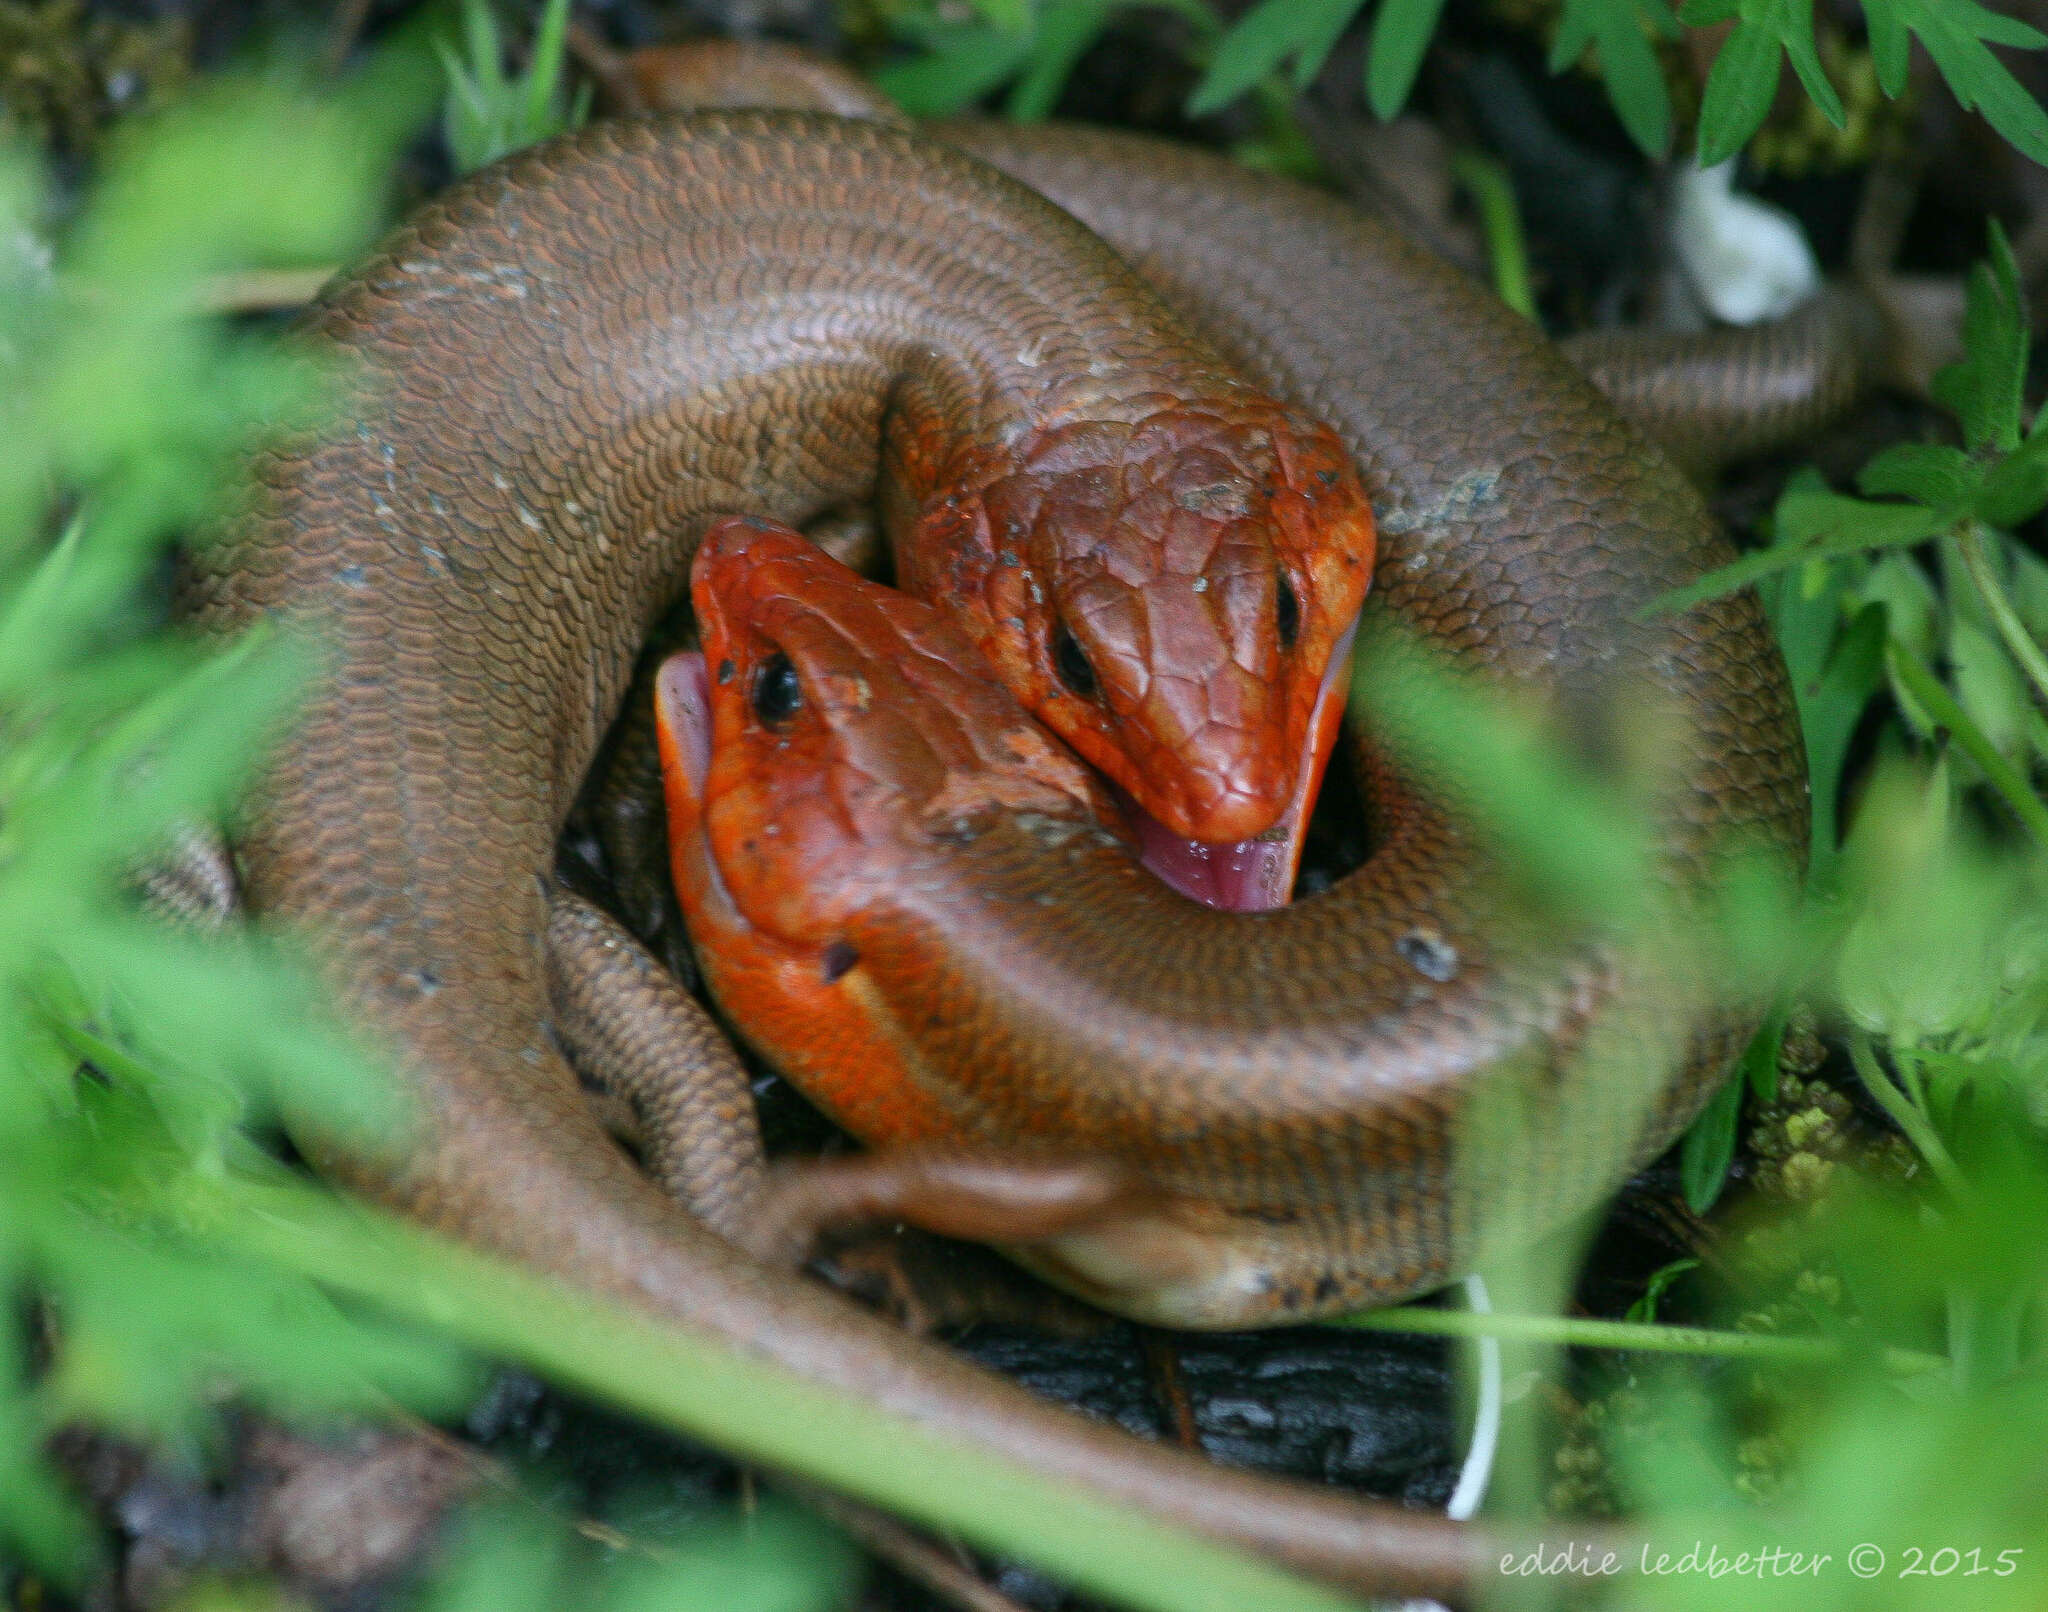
(683, 690)
(1255, 874)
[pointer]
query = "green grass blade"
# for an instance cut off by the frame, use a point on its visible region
(1401, 31)
(1915, 677)
(758, 1410)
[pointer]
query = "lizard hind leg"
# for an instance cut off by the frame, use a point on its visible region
(632, 1029)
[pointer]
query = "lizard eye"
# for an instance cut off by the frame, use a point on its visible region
(1286, 611)
(1071, 662)
(777, 693)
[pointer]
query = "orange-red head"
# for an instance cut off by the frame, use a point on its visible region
(832, 732)
(1173, 597)
(819, 754)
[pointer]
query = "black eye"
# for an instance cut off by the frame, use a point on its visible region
(1071, 662)
(1286, 611)
(777, 693)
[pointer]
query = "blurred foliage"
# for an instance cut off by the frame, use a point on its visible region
(65, 69)
(1932, 939)
(131, 414)
(963, 55)
(777, 1561)
(490, 113)
(1927, 952)
(135, 1057)
(1912, 622)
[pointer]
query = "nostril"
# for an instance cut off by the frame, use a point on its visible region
(838, 960)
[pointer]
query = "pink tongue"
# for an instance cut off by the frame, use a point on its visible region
(1251, 875)
(682, 688)
(1236, 875)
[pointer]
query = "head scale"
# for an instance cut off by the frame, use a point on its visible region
(850, 731)
(1165, 594)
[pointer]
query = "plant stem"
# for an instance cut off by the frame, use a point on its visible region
(1908, 1118)
(261, 290)
(1972, 539)
(1910, 1079)
(2003, 776)
(1500, 220)
(1638, 1337)
(696, 1384)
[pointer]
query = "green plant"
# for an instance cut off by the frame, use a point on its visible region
(1032, 46)
(490, 113)
(1886, 1376)
(1856, 614)
(112, 733)
(1926, 950)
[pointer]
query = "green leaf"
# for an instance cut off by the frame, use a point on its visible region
(1830, 708)
(38, 1517)
(1943, 708)
(1795, 31)
(775, 1559)
(963, 65)
(1645, 1308)
(1957, 34)
(1492, 192)
(489, 114)
(544, 71)
(1739, 92)
(2016, 488)
(1890, 44)
(499, 1562)
(1709, 1148)
(1806, 610)
(1913, 610)
(1635, 83)
(1943, 478)
(41, 618)
(2030, 588)
(1921, 961)
(1005, 16)
(1760, 1059)
(1988, 684)
(1744, 80)
(1401, 32)
(1983, 388)
(1813, 523)
(486, 52)
(778, 1560)
(1066, 28)
(1263, 38)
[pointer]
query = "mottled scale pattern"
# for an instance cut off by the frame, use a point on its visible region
(555, 374)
